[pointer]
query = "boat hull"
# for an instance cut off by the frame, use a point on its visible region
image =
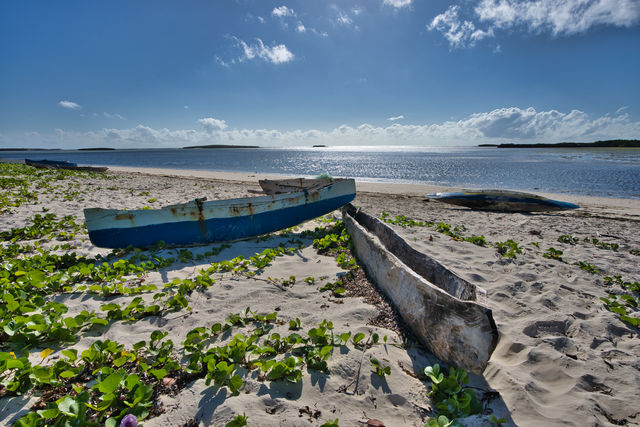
(506, 201)
(439, 306)
(202, 222)
(60, 164)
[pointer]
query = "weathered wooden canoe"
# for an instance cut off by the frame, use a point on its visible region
(201, 222)
(52, 164)
(61, 164)
(439, 306)
(502, 200)
(281, 186)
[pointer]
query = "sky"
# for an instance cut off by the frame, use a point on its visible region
(156, 74)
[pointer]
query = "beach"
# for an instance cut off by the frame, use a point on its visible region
(563, 357)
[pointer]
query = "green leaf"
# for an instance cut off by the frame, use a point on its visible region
(235, 382)
(70, 323)
(14, 364)
(358, 337)
(99, 321)
(71, 354)
(131, 381)
(110, 384)
(69, 407)
(29, 420)
(67, 374)
(49, 413)
(159, 373)
(120, 361)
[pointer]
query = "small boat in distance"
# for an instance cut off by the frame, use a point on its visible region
(202, 222)
(282, 186)
(61, 164)
(502, 200)
(438, 305)
(51, 164)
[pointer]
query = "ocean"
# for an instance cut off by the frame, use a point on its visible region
(580, 171)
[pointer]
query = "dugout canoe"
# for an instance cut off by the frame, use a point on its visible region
(61, 164)
(502, 200)
(439, 306)
(50, 164)
(282, 186)
(201, 222)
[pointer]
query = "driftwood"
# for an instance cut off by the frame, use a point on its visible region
(439, 306)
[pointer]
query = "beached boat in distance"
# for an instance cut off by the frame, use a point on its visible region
(61, 164)
(202, 222)
(439, 306)
(502, 200)
(52, 164)
(282, 186)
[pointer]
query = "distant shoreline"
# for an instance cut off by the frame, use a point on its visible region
(613, 143)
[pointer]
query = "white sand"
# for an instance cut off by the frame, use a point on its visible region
(562, 358)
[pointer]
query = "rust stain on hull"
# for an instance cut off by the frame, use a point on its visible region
(242, 210)
(203, 226)
(128, 216)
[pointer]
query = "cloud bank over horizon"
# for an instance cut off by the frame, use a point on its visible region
(502, 125)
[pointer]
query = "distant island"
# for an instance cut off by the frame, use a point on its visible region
(30, 149)
(96, 149)
(319, 146)
(612, 143)
(219, 146)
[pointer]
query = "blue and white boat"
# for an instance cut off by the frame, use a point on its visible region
(201, 222)
(502, 200)
(44, 163)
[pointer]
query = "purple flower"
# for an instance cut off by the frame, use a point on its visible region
(129, 421)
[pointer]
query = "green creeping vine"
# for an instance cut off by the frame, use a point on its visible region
(336, 240)
(452, 399)
(626, 303)
(553, 253)
(441, 227)
(602, 245)
(127, 381)
(17, 182)
(403, 221)
(508, 249)
(44, 226)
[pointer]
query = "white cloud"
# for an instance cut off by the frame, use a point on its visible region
(344, 19)
(282, 11)
(301, 28)
(69, 105)
(276, 54)
(458, 32)
(509, 124)
(113, 116)
(394, 118)
(211, 125)
(397, 3)
(559, 17)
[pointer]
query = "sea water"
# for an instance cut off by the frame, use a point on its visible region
(581, 171)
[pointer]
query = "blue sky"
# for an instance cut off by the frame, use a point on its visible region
(130, 74)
